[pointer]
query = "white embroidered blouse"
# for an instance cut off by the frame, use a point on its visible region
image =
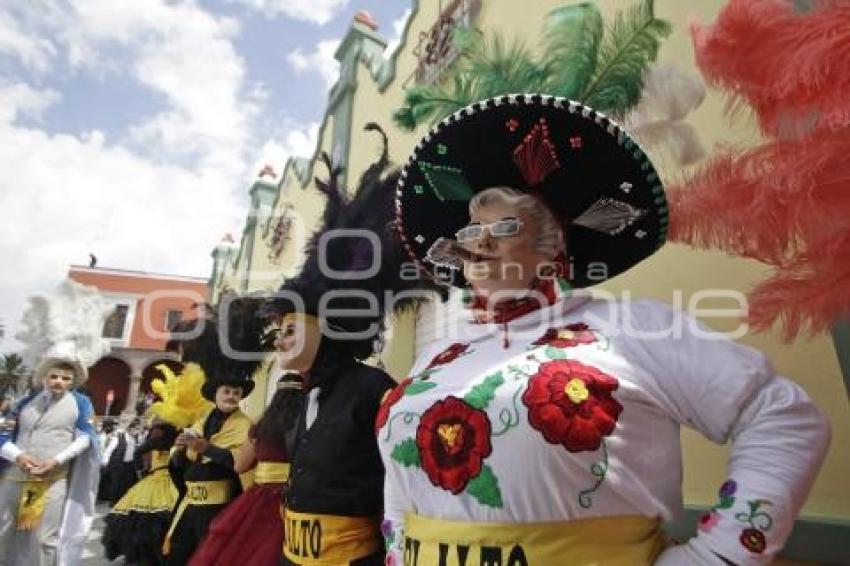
(578, 417)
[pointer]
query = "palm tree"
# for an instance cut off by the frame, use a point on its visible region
(12, 372)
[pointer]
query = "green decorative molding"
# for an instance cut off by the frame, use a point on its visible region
(385, 73)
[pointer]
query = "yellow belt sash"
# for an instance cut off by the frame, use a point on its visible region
(329, 540)
(609, 541)
(198, 493)
(271, 472)
(33, 498)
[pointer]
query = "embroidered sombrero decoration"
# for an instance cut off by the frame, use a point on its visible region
(585, 167)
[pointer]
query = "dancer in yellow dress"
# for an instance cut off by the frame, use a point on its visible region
(136, 526)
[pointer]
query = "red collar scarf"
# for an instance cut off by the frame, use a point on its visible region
(510, 309)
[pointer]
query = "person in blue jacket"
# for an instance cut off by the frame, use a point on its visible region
(48, 487)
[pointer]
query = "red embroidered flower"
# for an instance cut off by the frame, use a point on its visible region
(448, 355)
(567, 337)
(391, 398)
(571, 404)
(453, 438)
(753, 540)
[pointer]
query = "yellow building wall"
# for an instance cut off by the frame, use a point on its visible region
(811, 363)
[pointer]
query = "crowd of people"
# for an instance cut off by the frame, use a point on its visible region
(547, 426)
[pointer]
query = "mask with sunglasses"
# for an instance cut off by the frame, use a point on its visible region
(499, 229)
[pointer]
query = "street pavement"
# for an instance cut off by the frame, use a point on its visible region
(93, 550)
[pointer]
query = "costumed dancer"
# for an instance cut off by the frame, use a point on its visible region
(336, 484)
(336, 479)
(331, 315)
(202, 461)
(253, 521)
(119, 459)
(47, 497)
(136, 526)
(548, 427)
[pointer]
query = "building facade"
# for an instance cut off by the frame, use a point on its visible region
(146, 306)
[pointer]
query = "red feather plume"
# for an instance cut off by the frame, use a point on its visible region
(790, 61)
(785, 202)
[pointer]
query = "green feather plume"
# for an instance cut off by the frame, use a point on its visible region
(501, 68)
(581, 61)
(571, 34)
(630, 45)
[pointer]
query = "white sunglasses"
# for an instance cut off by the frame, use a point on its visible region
(498, 229)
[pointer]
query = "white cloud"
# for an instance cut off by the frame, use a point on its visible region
(315, 11)
(398, 29)
(299, 140)
(320, 60)
(34, 53)
(19, 99)
(158, 199)
(72, 196)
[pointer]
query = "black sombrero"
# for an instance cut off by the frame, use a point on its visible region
(201, 341)
(585, 167)
(210, 386)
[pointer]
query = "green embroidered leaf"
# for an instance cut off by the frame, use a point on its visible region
(417, 387)
(571, 33)
(426, 373)
(756, 504)
(762, 521)
(726, 502)
(406, 453)
(485, 488)
(555, 353)
(480, 395)
(448, 183)
(628, 47)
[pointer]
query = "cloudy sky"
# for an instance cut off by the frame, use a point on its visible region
(132, 129)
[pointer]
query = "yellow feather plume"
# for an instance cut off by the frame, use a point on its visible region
(182, 403)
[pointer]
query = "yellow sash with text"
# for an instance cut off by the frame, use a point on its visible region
(271, 472)
(329, 540)
(198, 493)
(608, 541)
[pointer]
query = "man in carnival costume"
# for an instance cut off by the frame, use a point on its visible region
(201, 464)
(48, 495)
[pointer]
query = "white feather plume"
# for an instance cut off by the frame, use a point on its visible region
(66, 325)
(658, 119)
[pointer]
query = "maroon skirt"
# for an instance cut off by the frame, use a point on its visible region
(249, 531)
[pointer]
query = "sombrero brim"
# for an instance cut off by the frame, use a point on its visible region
(587, 169)
(209, 387)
